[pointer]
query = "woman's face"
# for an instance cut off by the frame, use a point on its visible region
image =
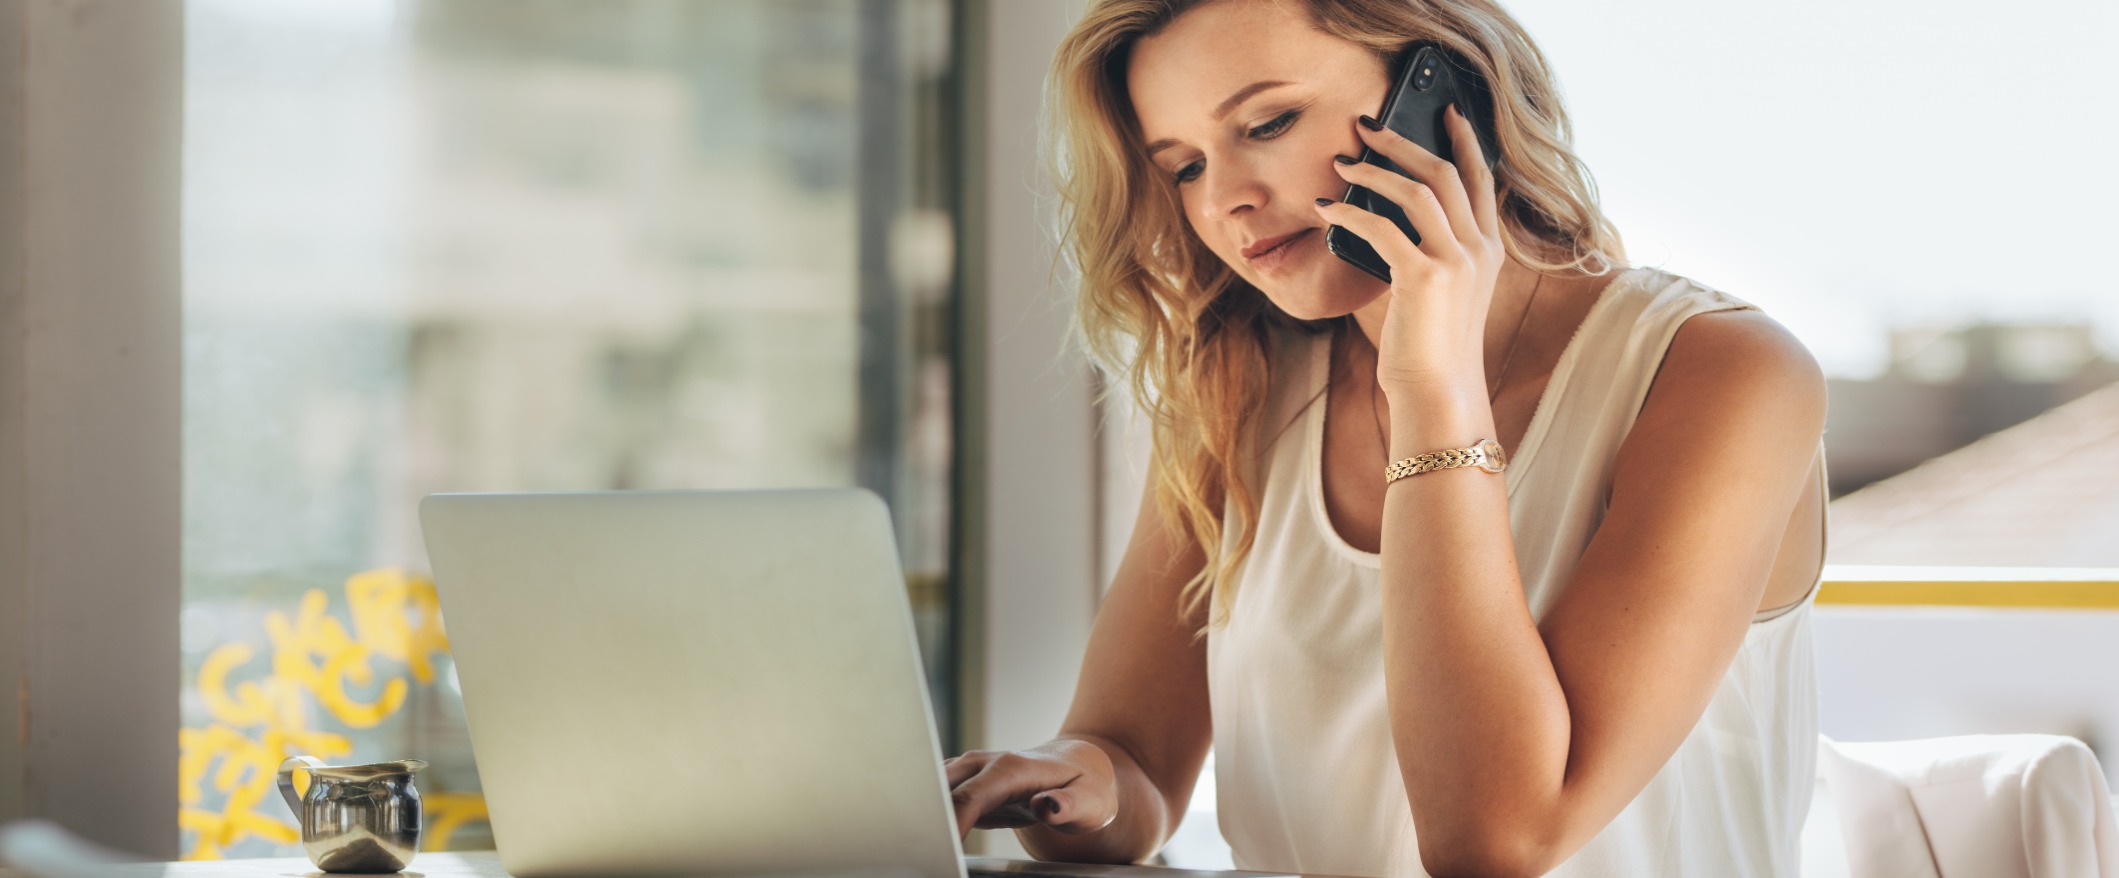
(1243, 104)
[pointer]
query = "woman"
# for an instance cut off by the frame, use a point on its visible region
(1596, 662)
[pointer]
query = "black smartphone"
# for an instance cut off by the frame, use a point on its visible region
(1428, 79)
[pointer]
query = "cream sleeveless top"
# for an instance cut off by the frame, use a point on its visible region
(1305, 772)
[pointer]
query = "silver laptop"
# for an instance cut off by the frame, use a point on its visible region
(697, 683)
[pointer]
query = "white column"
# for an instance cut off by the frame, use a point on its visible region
(91, 108)
(1029, 526)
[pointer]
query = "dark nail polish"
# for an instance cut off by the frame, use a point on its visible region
(1346, 160)
(1051, 805)
(1371, 124)
(1321, 202)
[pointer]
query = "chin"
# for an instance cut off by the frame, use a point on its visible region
(1307, 307)
(1322, 295)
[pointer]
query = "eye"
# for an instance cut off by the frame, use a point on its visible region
(1268, 131)
(1272, 129)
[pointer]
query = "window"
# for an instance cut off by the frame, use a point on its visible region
(528, 245)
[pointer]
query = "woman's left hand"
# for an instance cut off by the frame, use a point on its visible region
(1433, 337)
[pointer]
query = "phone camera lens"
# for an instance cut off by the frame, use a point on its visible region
(1425, 79)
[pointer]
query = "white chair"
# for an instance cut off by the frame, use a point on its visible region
(1971, 806)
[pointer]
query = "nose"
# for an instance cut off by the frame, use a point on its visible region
(1230, 189)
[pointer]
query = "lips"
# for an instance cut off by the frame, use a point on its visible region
(1261, 247)
(1277, 253)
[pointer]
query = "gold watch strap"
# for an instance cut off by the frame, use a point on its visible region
(1485, 454)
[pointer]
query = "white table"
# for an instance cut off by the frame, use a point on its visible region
(486, 864)
(470, 864)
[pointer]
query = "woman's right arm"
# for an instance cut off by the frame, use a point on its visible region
(1115, 782)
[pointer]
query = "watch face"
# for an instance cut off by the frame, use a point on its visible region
(1496, 459)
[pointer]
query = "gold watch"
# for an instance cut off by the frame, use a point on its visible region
(1485, 454)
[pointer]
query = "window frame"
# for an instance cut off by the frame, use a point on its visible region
(1028, 455)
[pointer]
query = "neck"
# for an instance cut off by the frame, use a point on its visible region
(1511, 295)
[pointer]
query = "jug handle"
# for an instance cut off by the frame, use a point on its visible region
(287, 767)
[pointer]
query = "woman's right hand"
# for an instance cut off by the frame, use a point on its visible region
(1066, 784)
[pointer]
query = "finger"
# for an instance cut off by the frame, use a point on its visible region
(961, 768)
(972, 797)
(1478, 177)
(1008, 816)
(1061, 809)
(1444, 178)
(1383, 235)
(1417, 199)
(1000, 781)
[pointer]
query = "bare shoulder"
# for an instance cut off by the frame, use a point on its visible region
(1724, 361)
(1738, 396)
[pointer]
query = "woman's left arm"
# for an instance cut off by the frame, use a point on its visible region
(1519, 741)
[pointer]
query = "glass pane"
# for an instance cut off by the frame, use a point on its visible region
(508, 245)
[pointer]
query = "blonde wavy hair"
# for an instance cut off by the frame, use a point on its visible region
(1159, 312)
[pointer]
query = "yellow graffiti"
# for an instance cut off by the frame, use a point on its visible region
(257, 724)
(378, 600)
(446, 813)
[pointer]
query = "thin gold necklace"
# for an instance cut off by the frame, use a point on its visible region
(1506, 360)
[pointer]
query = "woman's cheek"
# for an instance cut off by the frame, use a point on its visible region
(1227, 250)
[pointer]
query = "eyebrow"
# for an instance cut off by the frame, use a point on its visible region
(1222, 112)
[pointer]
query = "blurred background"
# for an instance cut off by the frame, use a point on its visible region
(434, 245)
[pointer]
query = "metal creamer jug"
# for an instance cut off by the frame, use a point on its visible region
(356, 818)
